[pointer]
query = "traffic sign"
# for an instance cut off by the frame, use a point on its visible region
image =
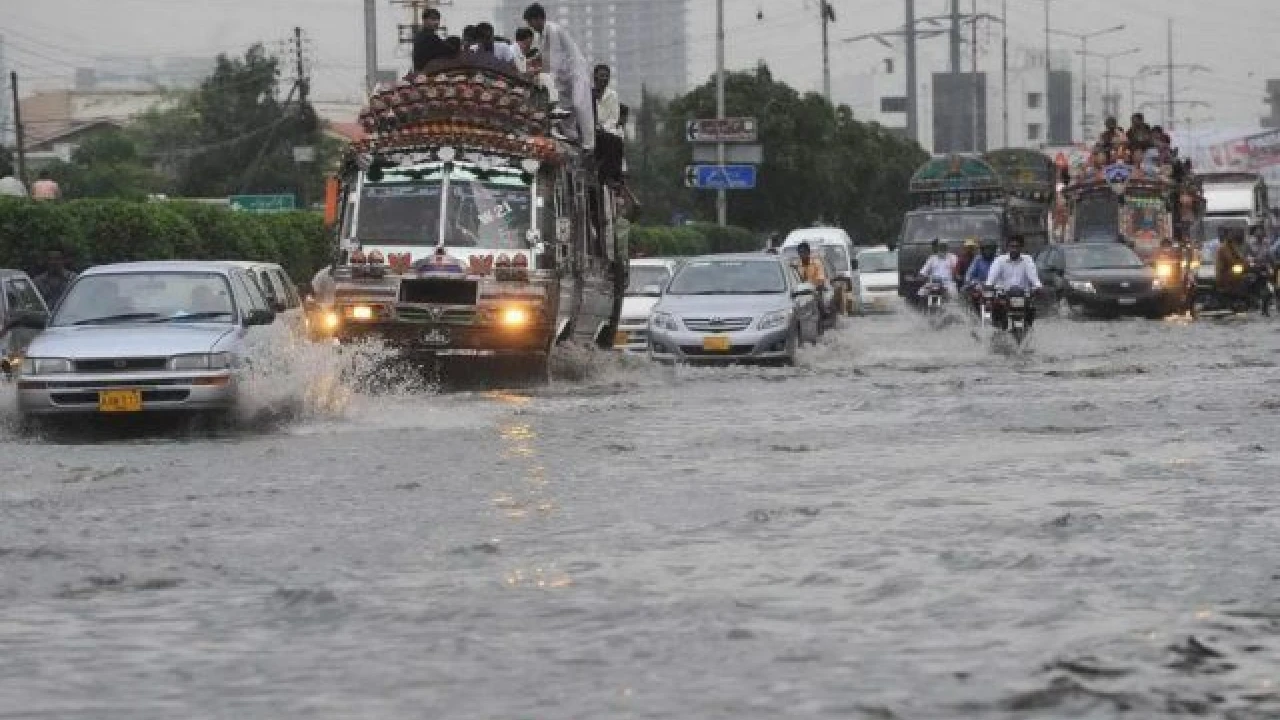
(727, 130)
(751, 154)
(263, 203)
(720, 177)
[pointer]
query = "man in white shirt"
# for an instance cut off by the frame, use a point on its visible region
(568, 68)
(939, 268)
(1011, 271)
(610, 147)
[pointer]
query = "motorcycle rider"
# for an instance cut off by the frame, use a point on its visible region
(939, 268)
(1231, 256)
(811, 271)
(976, 276)
(1010, 271)
(967, 253)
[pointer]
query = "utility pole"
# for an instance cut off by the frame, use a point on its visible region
(955, 37)
(304, 91)
(828, 17)
(1084, 72)
(17, 128)
(1004, 69)
(913, 107)
(1169, 69)
(5, 115)
(722, 196)
(973, 75)
(370, 45)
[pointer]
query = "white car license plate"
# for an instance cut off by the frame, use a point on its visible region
(1128, 301)
(435, 338)
(1017, 302)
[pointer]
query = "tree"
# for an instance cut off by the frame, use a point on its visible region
(107, 164)
(820, 164)
(236, 134)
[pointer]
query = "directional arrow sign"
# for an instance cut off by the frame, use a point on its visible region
(728, 130)
(720, 177)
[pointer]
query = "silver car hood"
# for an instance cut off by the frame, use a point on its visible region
(723, 305)
(132, 340)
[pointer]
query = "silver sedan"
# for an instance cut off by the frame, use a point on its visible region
(733, 308)
(142, 337)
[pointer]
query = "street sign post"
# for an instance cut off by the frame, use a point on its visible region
(728, 130)
(263, 203)
(749, 154)
(720, 177)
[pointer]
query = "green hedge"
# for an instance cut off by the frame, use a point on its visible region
(95, 232)
(693, 239)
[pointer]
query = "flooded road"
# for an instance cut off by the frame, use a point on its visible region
(904, 526)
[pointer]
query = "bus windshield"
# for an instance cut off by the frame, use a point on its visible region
(1097, 219)
(492, 209)
(954, 227)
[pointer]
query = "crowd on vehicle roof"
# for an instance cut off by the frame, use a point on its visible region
(1147, 149)
(545, 54)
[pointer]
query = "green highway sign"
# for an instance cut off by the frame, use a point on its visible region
(263, 203)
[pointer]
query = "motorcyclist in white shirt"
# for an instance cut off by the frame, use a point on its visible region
(1013, 270)
(939, 268)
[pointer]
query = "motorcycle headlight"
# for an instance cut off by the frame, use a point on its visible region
(1164, 271)
(45, 366)
(1237, 269)
(1083, 286)
(201, 361)
(775, 319)
(664, 321)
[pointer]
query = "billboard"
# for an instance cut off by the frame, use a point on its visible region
(953, 112)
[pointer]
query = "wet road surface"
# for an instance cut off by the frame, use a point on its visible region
(904, 526)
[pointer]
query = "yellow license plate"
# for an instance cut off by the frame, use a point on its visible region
(118, 401)
(621, 339)
(716, 343)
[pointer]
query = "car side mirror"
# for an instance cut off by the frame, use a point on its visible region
(802, 289)
(279, 306)
(854, 263)
(259, 317)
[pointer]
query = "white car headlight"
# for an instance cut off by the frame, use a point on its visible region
(1082, 286)
(201, 361)
(664, 321)
(45, 366)
(1157, 284)
(776, 319)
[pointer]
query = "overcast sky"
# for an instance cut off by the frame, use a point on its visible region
(1234, 38)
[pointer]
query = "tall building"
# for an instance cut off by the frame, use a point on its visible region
(644, 41)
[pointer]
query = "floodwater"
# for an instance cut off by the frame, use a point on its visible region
(906, 525)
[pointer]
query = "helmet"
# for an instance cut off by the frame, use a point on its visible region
(971, 242)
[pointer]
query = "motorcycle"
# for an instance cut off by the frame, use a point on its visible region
(1016, 306)
(981, 298)
(1260, 292)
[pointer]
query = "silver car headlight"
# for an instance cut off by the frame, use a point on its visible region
(201, 361)
(1157, 284)
(664, 321)
(776, 319)
(45, 366)
(1082, 286)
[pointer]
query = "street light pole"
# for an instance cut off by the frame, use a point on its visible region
(1084, 71)
(722, 196)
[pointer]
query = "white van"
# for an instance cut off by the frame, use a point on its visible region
(836, 245)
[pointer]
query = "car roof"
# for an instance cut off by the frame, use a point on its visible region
(7, 273)
(253, 264)
(823, 235)
(656, 262)
(736, 257)
(874, 248)
(161, 266)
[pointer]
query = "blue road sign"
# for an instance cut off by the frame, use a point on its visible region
(720, 177)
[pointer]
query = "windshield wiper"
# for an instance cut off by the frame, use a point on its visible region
(194, 317)
(122, 317)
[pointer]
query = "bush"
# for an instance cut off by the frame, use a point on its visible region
(123, 231)
(695, 239)
(96, 232)
(28, 229)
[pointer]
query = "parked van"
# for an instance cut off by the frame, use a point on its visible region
(837, 247)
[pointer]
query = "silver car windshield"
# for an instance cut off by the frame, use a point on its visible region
(645, 278)
(146, 297)
(728, 277)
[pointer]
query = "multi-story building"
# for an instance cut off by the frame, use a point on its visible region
(644, 41)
